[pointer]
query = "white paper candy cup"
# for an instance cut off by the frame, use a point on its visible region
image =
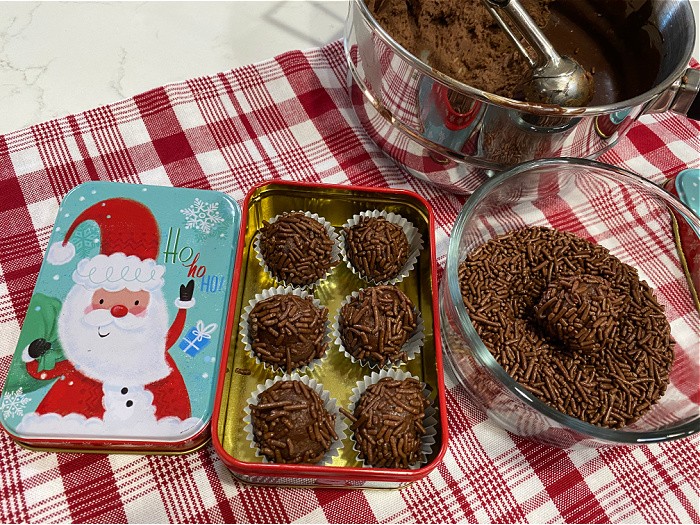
(329, 403)
(415, 243)
(266, 294)
(411, 347)
(335, 251)
(429, 421)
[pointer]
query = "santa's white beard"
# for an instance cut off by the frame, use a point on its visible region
(132, 354)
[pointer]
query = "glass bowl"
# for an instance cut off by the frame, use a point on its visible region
(631, 217)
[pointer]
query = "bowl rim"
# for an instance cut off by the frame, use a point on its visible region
(529, 107)
(484, 357)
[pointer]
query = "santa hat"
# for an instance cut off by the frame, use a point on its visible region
(129, 247)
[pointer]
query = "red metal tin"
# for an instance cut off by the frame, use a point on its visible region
(336, 204)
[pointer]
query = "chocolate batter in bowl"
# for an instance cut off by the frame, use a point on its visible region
(437, 83)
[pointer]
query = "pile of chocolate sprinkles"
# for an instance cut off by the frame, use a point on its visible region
(388, 423)
(376, 248)
(375, 325)
(291, 424)
(296, 249)
(571, 323)
(287, 331)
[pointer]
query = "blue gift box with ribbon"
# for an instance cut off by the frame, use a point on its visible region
(197, 338)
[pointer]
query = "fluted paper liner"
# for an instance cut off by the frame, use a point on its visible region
(412, 346)
(329, 403)
(266, 294)
(335, 251)
(415, 243)
(429, 421)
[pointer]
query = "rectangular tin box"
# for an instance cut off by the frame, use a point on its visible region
(337, 374)
(121, 343)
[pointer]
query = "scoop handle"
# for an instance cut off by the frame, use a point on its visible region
(545, 54)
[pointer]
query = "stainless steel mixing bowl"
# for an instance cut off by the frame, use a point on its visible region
(456, 136)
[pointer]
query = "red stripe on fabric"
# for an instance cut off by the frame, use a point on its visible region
(94, 502)
(240, 114)
(425, 503)
(690, 507)
(263, 505)
(7, 170)
(82, 148)
(20, 253)
(13, 504)
(457, 420)
(169, 140)
(564, 483)
(61, 168)
(644, 139)
(561, 216)
(459, 495)
(113, 154)
(153, 103)
(207, 457)
(350, 506)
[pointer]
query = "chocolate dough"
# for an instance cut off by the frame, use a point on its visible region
(459, 38)
(614, 40)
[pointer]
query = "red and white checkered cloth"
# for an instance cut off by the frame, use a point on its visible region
(291, 118)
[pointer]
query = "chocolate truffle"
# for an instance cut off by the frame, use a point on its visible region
(296, 249)
(291, 424)
(376, 248)
(579, 311)
(388, 423)
(375, 325)
(287, 331)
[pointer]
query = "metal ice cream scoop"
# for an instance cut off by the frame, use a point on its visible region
(556, 79)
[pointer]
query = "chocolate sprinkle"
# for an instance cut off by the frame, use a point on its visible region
(376, 248)
(296, 249)
(388, 423)
(291, 424)
(570, 322)
(375, 325)
(287, 331)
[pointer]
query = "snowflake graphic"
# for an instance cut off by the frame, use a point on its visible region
(84, 239)
(13, 403)
(202, 216)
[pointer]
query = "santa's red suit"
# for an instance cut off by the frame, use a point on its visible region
(75, 392)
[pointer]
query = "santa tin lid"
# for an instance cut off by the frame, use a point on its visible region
(122, 339)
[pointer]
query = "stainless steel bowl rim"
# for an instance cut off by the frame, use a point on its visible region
(484, 356)
(527, 107)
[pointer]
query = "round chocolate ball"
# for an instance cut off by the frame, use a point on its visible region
(377, 248)
(579, 311)
(291, 424)
(375, 325)
(287, 331)
(296, 249)
(388, 423)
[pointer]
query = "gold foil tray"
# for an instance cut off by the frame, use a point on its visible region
(337, 373)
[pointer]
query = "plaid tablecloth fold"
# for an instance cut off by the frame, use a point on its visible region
(291, 118)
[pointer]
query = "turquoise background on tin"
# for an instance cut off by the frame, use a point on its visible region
(191, 222)
(688, 188)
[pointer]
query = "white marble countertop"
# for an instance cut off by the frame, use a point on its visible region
(59, 58)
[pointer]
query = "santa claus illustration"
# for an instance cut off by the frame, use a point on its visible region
(113, 328)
